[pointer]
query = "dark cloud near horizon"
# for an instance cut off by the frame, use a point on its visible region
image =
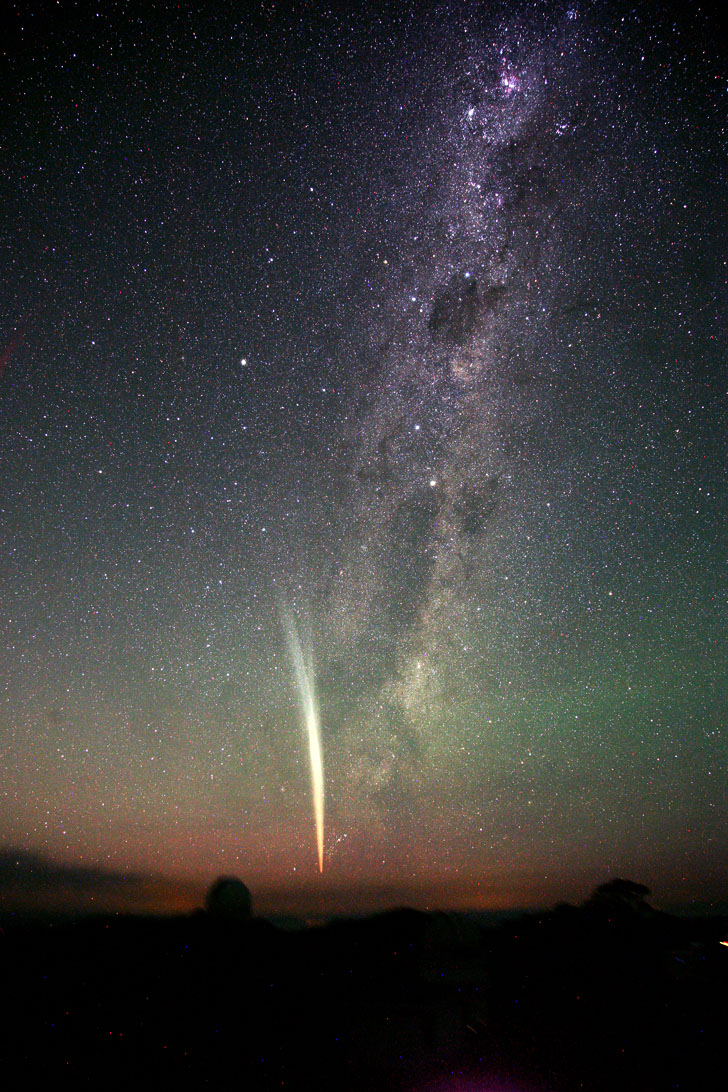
(24, 872)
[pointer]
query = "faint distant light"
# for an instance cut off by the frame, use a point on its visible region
(243, 362)
(417, 428)
(433, 483)
(471, 112)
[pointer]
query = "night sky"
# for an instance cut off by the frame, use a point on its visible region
(409, 326)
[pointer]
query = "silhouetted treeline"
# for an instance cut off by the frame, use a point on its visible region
(610, 995)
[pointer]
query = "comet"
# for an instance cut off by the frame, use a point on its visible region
(303, 669)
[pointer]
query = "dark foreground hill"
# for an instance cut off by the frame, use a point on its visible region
(588, 998)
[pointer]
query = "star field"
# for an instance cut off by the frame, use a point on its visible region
(415, 322)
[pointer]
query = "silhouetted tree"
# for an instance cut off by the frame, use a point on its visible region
(230, 899)
(620, 897)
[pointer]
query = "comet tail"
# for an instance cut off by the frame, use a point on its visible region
(303, 669)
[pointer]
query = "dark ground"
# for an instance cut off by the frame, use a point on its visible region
(603, 997)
